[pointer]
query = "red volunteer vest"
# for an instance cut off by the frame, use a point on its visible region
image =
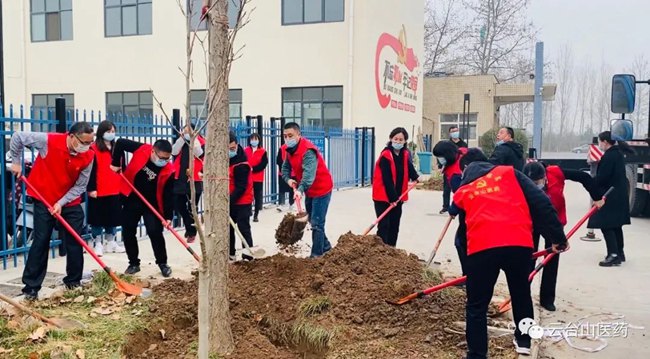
(140, 158)
(108, 182)
(497, 213)
(555, 191)
(323, 183)
(247, 197)
(254, 159)
(378, 189)
(454, 169)
(55, 174)
(198, 163)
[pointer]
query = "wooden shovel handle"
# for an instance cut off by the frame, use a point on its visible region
(28, 311)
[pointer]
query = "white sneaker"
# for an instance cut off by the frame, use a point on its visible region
(523, 350)
(98, 247)
(232, 258)
(114, 247)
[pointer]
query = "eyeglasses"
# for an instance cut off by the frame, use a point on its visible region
(86, 143)
(162, 158)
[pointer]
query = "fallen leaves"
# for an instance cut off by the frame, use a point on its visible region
(162, 334)
(80, 353)
(38, 334)
(6, 351)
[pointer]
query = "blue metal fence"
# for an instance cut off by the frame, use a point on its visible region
(349, 155)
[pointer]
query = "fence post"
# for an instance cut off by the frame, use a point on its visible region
(249, 122)
(176, 123)
(363, 156)
(372, 150)
(272, 159)
(59, 115)
(260, 123)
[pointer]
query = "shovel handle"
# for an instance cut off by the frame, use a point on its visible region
(28, 311)
(440, 238)
(391, 206)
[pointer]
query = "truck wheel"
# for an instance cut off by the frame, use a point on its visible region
(638, 202)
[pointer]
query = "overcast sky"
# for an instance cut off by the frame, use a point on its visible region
(613, 30)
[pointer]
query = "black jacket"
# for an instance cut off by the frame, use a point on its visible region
(611, 173)
(241, 174)
(542, 213)
(394, 190)
(508, 154)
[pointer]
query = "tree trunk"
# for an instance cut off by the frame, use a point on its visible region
(215, 335)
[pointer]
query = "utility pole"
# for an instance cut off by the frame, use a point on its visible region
(537, 90)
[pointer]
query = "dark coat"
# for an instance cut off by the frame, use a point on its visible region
(611, 172)
(509, 154)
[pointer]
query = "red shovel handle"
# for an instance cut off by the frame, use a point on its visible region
(162, 219)
(392, 205)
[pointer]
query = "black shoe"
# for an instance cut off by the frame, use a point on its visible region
(522, 347)
(443, 210)
(165, 270)
(246, 257)
(548, 306)
(610, 260)
(132, 269)
(255, 219)
(30, 295)
(622, 257)
(71, 286)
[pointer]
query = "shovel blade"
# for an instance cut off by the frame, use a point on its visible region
(404, 300)
(128, 288)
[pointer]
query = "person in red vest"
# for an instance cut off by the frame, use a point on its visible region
(104, 206)
(258, 159)
(60, 174)
(393, 170)
(313, 180)
(152, 175)
(502, 207)
(241, 195)
(283, 187)
(181, 164)
(448, 154)
(551, 179)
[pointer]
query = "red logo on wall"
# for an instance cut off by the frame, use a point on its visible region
(396, 80)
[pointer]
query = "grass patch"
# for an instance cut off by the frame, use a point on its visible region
(300, 335)
(431, 276)
(314, 305)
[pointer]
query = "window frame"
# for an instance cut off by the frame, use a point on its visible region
(137, 18)
(303, 22)
(238, 103)
(302, 102)
(45, 14)
(132, 130)
(458, 123)
(42, 113)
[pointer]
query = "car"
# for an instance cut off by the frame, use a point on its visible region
(581, 149)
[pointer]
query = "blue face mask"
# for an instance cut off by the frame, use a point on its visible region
(232, 154)
(292, 142)
(454, 135)
(254, 143)
(187, 137)
(442, 161)
(398, 146)
(108, 136)
(500, 142)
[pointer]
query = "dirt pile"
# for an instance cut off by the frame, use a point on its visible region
(333, 306)
(435, 183)
(290, 230)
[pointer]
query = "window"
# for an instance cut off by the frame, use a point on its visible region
(132, 108)
(312, 11)
(51, 20)
(127, 17)
(197, 101)
(456, 119)
(43, 107)
(314, 106)
(194, 8)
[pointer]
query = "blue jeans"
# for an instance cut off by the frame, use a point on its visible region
(98, 230)
(317, 210)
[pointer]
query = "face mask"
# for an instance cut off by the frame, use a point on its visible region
(232, 154)
(254, 143)
(541, 185)
(291, 143)
(81, 148)
(500, 142)
(398, 146)
(442, 160)
(187, 137)
(158, 162)
(108, 136)
(455, 135)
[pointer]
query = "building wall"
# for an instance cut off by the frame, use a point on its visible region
(444, 95)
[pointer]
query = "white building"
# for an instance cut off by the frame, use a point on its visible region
(348, 63)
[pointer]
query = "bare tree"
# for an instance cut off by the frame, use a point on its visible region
(564, 68)
(603, 96)
(443, 31)
(500, 37)
(641, 69)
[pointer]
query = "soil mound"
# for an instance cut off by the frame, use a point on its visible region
(333, 306)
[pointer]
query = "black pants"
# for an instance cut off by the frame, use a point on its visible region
(240, 214)
(461, 249)
(446, 193)
(614, 240)
(281, 195)
(36, 265)
(258, 191)
(388, 228)
(183, 208)
(133, 210)
(482, 273)
(549, 273)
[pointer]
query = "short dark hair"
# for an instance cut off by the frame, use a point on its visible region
(511, 132)
(292, 126)
(80, 128)
(453, 127)
(163, 146)
(398, 130)
(535, 170)
(232, 137)
(102, 128)
(255, 135)
(472, 155)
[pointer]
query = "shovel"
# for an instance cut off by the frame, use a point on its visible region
(442, 235)
(505, 306)
(392, 205)
(121, 285)
(164, 222)
(299, 223)
(258, 252)
(60, 323)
